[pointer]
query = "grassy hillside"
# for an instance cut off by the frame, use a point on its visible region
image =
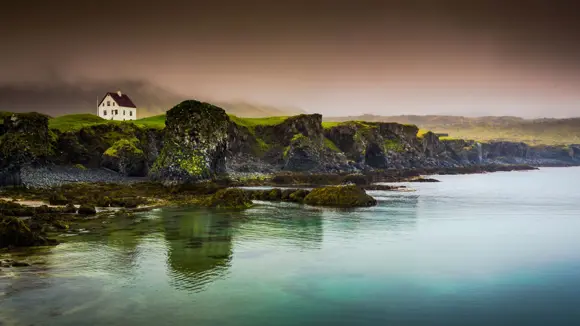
(77, 121)
(73, 122)
(534, 132)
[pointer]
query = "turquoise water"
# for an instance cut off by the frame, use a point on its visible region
(493, 249)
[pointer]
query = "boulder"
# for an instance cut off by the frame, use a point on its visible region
(87, 210)
(340, 196)
(228, 198)
(195, 144)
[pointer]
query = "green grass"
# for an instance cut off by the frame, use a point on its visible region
(72, 122)
(330, 124)
(251, 123)
(157, 122)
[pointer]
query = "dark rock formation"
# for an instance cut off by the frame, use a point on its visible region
(195, 144)
(126, 158)
(87, 210)
(228, 198)
(340, 196)
(25, 140)
(15, 233)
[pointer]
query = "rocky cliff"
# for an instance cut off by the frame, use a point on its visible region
(200, 141)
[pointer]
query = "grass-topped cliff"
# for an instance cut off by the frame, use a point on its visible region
(271, 144)
(485, 129)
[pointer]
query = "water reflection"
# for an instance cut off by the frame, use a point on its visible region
(280, 225)
(199, 247)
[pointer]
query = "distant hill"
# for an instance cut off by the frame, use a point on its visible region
(60, 98)
(507, 128)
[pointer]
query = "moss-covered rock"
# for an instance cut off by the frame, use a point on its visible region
(25, 140)
(195, 144)
(57, 199)
(126, 157)
(15, 233)
(69, 209)
(87, 210)
(298, 195)
(228, 198)
(340, 196)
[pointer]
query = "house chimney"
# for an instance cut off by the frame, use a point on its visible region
(119, 93)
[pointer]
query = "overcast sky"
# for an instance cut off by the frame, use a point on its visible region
(463, 57)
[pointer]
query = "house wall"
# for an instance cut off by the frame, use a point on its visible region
(114, 112)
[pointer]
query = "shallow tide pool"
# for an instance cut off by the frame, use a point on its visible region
(487, 249)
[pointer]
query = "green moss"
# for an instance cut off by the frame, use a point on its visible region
(331, 145)
(228, 198)
(128, 145)
(194, 165)
(80, 166)
(394, 145)
(340, 196)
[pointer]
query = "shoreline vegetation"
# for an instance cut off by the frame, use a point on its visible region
(75, 172)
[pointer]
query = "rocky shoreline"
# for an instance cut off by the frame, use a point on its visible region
(204, 158)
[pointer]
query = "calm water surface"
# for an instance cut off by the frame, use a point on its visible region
(494, 249)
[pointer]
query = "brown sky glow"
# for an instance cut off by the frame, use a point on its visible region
(334, 57)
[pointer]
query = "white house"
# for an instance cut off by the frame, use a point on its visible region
(117, 106)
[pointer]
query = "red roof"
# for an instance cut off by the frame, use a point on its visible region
(122, 100)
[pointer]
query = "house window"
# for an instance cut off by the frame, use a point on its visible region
(130, 113)
(104, 112)
(123, 112)
(108, 103)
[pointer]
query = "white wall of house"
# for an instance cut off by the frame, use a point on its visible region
(110, 110)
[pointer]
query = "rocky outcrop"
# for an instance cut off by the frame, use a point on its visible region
(308, 125)
(25, 140)
(195, 144)
(87, 145)
(126, 158)
(339, 196)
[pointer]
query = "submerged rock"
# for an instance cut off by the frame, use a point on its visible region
(228, 198)
(195, 144)
(340, 196)
(15, 233)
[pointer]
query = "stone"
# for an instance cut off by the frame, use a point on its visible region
(228, 198)
(195, 144)
(87, 210)
(339, 196)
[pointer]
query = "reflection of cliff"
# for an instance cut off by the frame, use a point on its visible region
(282, 224)
(395, 212)
(199, 247)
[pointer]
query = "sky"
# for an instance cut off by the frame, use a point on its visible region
(458, 57)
